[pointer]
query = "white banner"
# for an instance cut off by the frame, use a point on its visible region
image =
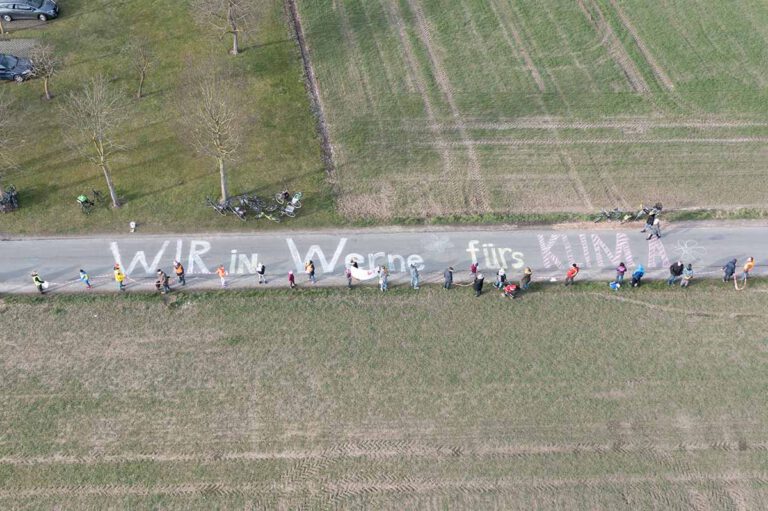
(361, 274)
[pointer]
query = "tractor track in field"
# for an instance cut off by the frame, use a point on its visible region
(335, 491)
(598, 141)
(478, 195)
(355, 62)
(311, 462)
(636, 125)
(658, 71)
(613, 46)
(508, 29)
(448, 164)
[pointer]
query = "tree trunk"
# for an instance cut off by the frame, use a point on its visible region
(47, 90)
(2, 29)
(223, 179)
(104, 164)
(235, 32)
(141, 85)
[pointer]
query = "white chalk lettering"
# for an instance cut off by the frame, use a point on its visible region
(246, 265)
(140, 257)
(315, 252)
(391, 258)
(473, 250)
(352, 257)
(196, 249)
(415, 260)
(372, 259)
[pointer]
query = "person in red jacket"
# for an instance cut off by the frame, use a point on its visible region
(571, 274)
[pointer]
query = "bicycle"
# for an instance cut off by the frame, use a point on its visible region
(615, 214)
(238, 211)
(98, 197)
(646, 211)
(216, 206)
(269, 216)
(285, 197)
(86, 205)
(9, 199)
(288, 211)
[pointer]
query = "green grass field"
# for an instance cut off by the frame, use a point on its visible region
(163, 181)
(568, 398)
(439, 107)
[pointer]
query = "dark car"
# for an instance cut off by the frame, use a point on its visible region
(14, 68)
(42, 10)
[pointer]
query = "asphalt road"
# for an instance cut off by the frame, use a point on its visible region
(548, 251)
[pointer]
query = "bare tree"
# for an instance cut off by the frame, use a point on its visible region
(45, 64)
(214, 123)
(92, 121)
(225, 17)
(142, 60)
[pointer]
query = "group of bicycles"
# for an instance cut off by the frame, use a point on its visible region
(246, 206)
(9, 199)
(86, 204)
(621, 216)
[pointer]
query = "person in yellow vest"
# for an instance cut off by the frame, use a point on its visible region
(119, 277)
(748, 268)
(40, 284)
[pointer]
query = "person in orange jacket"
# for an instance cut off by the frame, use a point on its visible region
(222, 273)
(571, 274)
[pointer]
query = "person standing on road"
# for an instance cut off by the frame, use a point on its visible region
(383, 278)
(119, 277)
(262, 270)
(180, 275)
(501, 278)
(291, 280)
(414, 276)
(637, 275)
(222, 273)
(687, 276)
(571, 274)
(348, 274)
(526, 280)
(310, 269)
(649, 221)
(675, 272)
(473, 271)
(621, 269)
(748, 268)
(164, 282)
(728, 270)
(40, 284)
(655, 229)
(477, 285)
(85, 279)
(448, 278)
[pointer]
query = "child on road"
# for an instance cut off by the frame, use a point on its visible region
(119, 278)
(85, 279)
(448, 278)
(501, 278)
(675, 272)
(687, 276)
(621, 269)
(748, 268)
(310, 269)
(40, 284)
(222, 273)
(571, 274)
(291, 280)
(261, 271)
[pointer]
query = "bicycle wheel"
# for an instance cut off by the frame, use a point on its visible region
(296, 204)
(279, 198)
(289, 213)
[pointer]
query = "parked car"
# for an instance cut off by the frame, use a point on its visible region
(14, 68)
(42, 10)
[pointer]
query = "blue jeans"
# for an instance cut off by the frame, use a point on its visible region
(415, 281)
(620, 278)
(671, 280)
(312, 278)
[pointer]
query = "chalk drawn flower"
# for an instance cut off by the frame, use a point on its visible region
(439, 244)
(689, 251)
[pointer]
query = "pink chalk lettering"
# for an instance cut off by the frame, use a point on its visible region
(656, 253)
(621, 253)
